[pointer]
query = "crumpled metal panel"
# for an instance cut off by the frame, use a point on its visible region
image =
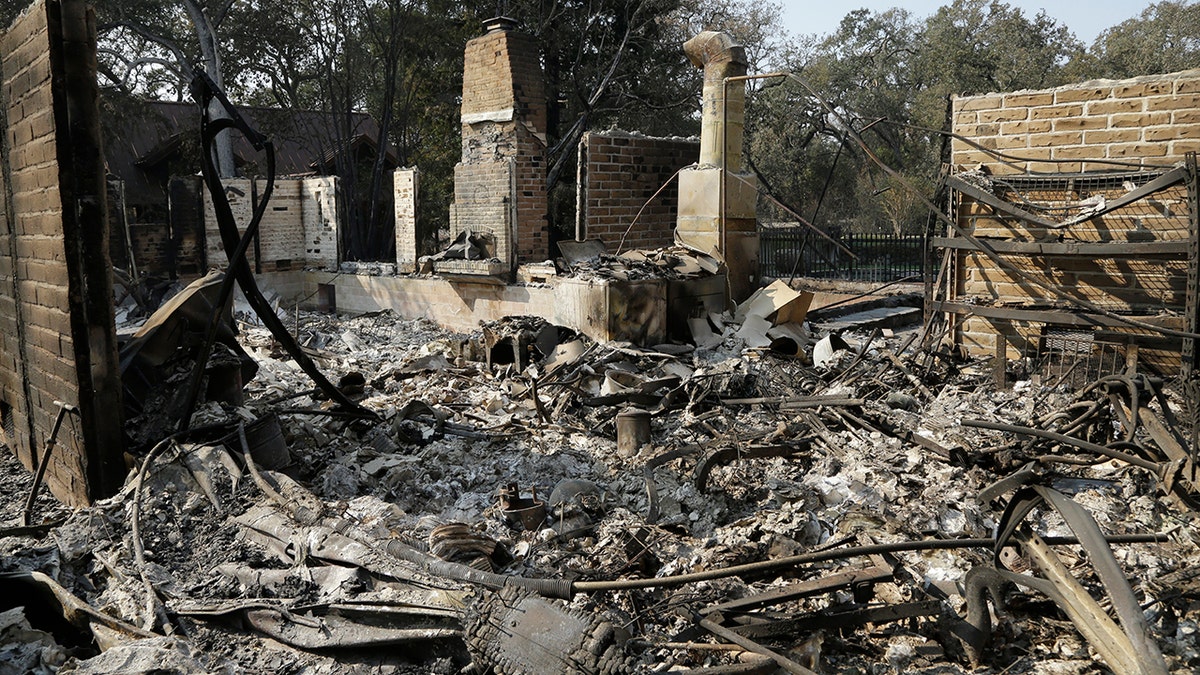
(515, 632)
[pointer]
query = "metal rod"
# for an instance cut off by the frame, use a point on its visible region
(63, 409)
(1069, 440)
(833, 554)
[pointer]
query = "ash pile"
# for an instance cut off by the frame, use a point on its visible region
(772, 498)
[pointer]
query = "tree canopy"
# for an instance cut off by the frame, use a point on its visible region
(891, 76)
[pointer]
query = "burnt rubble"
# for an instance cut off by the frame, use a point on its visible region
(528, 500)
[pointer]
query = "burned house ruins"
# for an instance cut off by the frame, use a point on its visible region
(636, 456)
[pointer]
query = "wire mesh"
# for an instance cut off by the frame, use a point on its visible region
(1074, 357)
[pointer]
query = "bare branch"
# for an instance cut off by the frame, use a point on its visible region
(222, 11)
(184, 69)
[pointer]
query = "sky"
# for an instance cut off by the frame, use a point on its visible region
(1085, 18)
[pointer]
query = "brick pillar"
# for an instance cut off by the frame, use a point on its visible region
(405, 183)
(500, 184)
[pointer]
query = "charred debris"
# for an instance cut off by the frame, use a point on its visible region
(772, 498)
(785, 490)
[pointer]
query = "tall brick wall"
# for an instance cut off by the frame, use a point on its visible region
(1096, 140)
(57, 333)
(1146, 121)
(298, 229)
(620, 174)
(500, 183)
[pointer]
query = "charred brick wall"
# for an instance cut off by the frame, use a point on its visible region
(152, 247)
(57, 333)
(1091, 141)
(298, 229)
(500, 182)
(319, 216)
(169, 248)
(621, 172)
(187, 225)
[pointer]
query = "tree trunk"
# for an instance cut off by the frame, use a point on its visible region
(207, 35)
(389, 42)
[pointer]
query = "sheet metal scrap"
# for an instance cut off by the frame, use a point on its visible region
(327, 626)
(1127, 650)
(516, 632)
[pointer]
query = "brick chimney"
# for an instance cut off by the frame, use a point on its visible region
(500, 183)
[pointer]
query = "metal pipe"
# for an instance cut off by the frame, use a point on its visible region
(1155, 467)
(63, 409)
(821, 556)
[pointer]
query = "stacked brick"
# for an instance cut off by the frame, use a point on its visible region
(298, 229)
(500, 183)
(405, 187)
(1099, 139)
(621, 174)
(1146, 121)
(57, 338)
(318, 213)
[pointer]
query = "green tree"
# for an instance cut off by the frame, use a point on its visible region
(1164, 38)
(149, 46)
(890, 77)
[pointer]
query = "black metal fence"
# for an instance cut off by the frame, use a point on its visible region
(880, 257)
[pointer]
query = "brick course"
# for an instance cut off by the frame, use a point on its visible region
(1123, 120)
(620, 173)
(1146, 122)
